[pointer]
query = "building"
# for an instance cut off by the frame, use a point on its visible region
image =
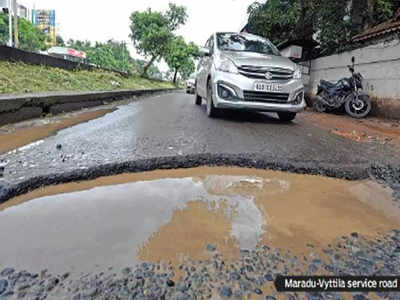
(46, 21)
(4, 5)
(22, 11)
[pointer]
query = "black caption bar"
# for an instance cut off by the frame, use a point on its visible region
(337, 283)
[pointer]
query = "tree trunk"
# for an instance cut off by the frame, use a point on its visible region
(175, 75)
(302, 20)
(372, 6)
(146, 68)
(304, 29)
(359, 12)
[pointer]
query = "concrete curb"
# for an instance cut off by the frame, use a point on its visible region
(16, 108)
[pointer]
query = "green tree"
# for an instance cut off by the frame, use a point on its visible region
(60, 41)
(187, 69)
(31, 38)
(395, 5)
(3, 28)
(275, 19)
(335, 22)
(152, 32)
(367, 13)
(153, 71)
(180, 57)
(79, 45)
(333, 33)
(110, 55)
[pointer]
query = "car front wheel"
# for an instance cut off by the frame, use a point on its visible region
(286, 116)
(197, 99)
(212, 111)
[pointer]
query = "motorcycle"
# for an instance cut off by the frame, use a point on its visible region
(347, 92)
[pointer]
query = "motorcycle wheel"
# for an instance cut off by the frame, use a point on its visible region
(319, 106)
(358, 107)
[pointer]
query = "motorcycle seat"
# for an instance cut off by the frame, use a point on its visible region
(327, 83)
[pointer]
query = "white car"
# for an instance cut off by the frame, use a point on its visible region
(190, 84)
(247, 72)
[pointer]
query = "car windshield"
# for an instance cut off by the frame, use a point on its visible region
(245, 43)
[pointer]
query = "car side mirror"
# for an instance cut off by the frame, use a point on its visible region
(204, 51)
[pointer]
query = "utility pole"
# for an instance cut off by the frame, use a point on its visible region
(10, 31)
(16, 39)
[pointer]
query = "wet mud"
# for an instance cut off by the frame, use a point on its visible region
(18, 135)
(365, 130)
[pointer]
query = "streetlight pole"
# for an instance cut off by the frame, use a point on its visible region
(16, 39)
(10, 41)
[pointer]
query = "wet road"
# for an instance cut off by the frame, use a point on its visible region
(117, 221)
(171, 125)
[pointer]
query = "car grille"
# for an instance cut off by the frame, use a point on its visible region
(259, 72)
(252, 96)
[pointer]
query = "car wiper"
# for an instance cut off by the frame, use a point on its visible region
(250, 51)
(256, 52)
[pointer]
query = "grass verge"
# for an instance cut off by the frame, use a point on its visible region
(18, 77)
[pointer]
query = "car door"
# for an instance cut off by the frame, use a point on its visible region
(203, 71)
(209, 61)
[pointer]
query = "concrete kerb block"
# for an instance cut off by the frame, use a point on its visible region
(28, 106)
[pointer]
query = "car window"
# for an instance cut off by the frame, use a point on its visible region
(211, 45)
(245, 43)
(207, 43)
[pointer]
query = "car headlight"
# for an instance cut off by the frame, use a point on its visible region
(226, 65)
(297, 74)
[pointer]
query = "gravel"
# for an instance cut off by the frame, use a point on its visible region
(352, 255)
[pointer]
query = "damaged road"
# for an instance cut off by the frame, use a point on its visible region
(110, 237)
(235, 230)
(169, 131)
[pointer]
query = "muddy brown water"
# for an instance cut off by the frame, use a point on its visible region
(172, 215)
(17, 135)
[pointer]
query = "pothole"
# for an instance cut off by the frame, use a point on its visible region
(181, 220)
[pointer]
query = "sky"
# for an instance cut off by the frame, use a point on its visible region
(97, 20)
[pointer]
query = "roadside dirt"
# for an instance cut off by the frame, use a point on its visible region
(17, 135)
(364, 130)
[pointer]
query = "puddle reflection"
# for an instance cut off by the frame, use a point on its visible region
(178, 214)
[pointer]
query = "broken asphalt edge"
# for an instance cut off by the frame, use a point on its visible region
(386, 174)
(16, 108)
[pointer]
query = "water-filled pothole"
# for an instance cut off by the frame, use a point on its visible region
(181, 215)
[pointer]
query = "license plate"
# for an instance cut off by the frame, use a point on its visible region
(267, 87)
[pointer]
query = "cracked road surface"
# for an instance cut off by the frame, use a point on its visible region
(271, 232)
(171, 125)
